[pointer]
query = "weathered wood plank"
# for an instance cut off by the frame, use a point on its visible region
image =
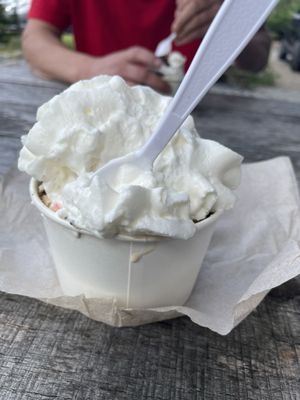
(9, 150)
(48, 352)
(18, 72)
(24, 94)
(255, 128)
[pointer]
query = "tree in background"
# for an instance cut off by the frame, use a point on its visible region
(9, 24)
(281, 16)
(2, 24)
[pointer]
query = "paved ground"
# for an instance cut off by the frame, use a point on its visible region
(285, 77)
(287, 82)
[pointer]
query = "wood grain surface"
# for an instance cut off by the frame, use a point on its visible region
(47, 352)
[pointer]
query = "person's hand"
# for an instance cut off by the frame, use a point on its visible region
(136, 65)
(192, 18)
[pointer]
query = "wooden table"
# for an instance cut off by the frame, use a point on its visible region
(48, 352)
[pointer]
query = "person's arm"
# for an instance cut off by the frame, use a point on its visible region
(192, 20)
(49, 57)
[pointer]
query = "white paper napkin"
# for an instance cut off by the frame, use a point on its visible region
(256, 247)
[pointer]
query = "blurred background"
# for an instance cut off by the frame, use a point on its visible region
(284, 64)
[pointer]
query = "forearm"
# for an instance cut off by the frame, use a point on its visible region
(254, 57)
(48, 56)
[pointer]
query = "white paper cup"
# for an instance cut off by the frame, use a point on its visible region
(136, 272)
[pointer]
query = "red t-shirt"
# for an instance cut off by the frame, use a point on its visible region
(104, 26)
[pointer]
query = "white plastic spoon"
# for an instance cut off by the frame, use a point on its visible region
(233, 27)
(165, 46)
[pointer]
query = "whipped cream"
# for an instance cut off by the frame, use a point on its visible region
(94, 121)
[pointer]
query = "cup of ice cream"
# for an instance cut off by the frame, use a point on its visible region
(140, 239)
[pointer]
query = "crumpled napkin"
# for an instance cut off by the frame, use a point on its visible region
(255, 247)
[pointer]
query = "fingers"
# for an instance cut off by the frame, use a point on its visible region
(193, 35)
(197, 26)
(157, 83)
(138, 74)
(195, 5)
(140, 68)
(140, 55)
(193, 17)
(136, 65)
(187, 9)
(180, 4)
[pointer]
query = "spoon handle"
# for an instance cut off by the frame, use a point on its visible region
(235, 24)
(164, 47)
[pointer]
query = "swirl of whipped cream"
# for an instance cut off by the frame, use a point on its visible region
(97, 120)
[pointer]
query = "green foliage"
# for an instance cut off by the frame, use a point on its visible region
(281, 16)
(248, 80)
(9, 25)
(12, 47)
(68, 40)
(2, 24)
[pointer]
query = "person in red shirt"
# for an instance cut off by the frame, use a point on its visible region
(118, 37)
